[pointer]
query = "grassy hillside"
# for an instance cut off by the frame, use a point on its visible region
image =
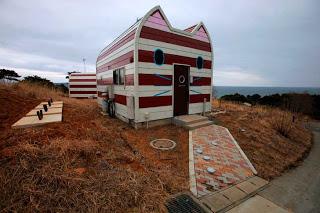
(90, 162)
(86, 163)
(267, 135)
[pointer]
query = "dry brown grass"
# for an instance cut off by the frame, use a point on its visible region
(34, 90)
(86, 163)
(267, 135)
(282, 122)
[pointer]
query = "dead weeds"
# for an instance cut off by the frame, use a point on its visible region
(257, 130)
(86, 163)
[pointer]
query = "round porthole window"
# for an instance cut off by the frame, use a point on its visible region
(199, 62)
(182, 79)
(158, 57)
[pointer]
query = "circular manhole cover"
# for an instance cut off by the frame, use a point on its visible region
(163, 144)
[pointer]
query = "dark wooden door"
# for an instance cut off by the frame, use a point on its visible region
(181, 90)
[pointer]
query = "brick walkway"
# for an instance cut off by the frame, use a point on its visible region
(215, 148)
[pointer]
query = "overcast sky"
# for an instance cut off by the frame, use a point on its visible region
(256, 43)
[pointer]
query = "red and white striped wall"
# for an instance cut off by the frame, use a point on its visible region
(151, 85)
(82, 85)
(155, 83)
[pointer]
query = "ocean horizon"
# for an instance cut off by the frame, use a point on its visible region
(247, 90)
(220, 91)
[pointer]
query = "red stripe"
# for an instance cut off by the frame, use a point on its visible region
(105, 81)
(120, 43)
(129, 79)
(74, 74)
(198, 98)
(147, 56)
(82, 80)
(83, 92)
(155, 101)
(117, 62)
(108, 81)
(120, 99)
(201, 81)
(159, 35)
(151, 79)
(82, 86)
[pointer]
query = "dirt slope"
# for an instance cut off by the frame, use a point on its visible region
(13, 105)
(255, 130)
(86, 163)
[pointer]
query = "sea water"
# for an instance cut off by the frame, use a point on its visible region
(228, 90)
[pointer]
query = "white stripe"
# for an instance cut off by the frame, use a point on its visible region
(121, 90)
(127, 92)
(121, 109)
(202, 89)
(151, 45)
(78, 74)
(101, 88)
(122, 87)
(156, 109)
(128, 47)
(82, 95)
(153, 93)
(120, 37)
(155, 71)
(193, 71)
(83, 89)
(82, 77)
(198, 107)
(166, 69)
(142, 65)
(83, 83)
(106, 74)
(152, 88)
(153, 114)
(200, 74)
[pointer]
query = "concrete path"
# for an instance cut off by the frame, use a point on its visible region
(257, 204)
(299, 189)
(216, 160)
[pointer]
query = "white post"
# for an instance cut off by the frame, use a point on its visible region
(147, 116)
(204, 107)
(84, 65)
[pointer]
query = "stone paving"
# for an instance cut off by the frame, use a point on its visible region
(217, 159)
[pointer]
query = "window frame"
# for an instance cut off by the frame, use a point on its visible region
(202, 62)
(154, 56)
(119, 76)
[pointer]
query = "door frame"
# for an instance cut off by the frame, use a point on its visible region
(173, 80)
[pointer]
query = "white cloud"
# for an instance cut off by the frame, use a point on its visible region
(236, 76)
(50, 68)
(56, 77)
(277, 39)
(15, 58)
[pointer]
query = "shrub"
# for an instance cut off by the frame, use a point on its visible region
(282, 122)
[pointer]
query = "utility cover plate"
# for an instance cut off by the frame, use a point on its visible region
(183, 203)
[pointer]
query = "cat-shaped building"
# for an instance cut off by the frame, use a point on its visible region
(157, 71)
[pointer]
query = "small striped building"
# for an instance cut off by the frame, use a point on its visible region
(82, 85)
(157, 71)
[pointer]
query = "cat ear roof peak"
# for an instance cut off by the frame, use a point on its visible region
(156, 16)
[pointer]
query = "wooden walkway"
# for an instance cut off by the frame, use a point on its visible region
(54, 114)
